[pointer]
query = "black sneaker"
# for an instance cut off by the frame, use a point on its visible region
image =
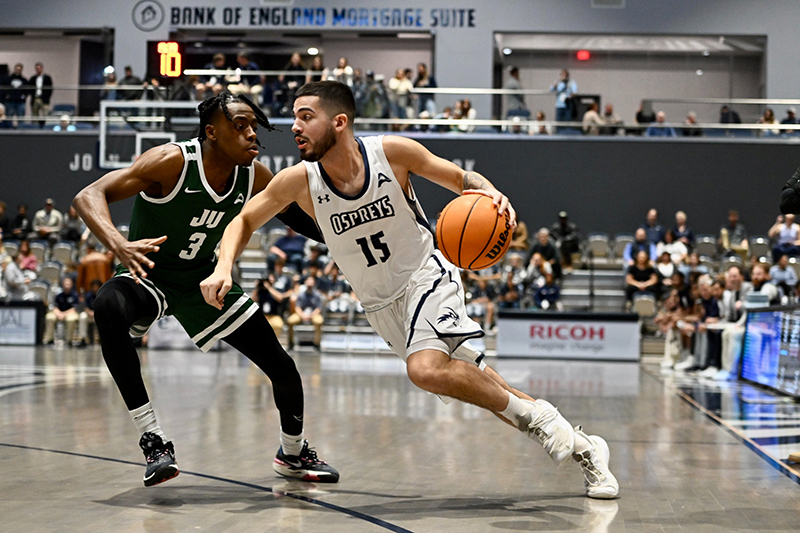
(306, 466)
(160, 456)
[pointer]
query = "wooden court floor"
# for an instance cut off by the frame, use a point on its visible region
(70, 462)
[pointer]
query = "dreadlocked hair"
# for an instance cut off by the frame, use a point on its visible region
(209, 106)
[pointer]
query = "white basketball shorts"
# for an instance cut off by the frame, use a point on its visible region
(430, 314)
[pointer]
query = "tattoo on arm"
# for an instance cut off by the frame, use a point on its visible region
(473, 180)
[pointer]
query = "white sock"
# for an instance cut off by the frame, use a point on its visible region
(145, 420)
(292, 444)
(515, 409)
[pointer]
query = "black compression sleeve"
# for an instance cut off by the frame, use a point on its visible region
(790, 196)
(298, 220)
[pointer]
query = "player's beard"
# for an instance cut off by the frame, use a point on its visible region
(321, 148)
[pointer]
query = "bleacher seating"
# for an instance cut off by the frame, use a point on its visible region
(39, 250)
(706, 245)
(760, 246)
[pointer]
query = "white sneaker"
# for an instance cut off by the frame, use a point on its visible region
(600, 483)
(685, 364)
(551, 429)
(709, 372)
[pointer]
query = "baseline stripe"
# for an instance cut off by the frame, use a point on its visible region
(222, 319)
(355, 514)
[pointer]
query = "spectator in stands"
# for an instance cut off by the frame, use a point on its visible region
(306, 307)
(290, 248)
(399, 92)
(666, 320)
(15, 282)
(109, 90)
(246, 84)
(537, 128)
(344, 72)
(480, 303)
(729, 116)
(64, 124)
(515, 103)
(736, 289)
(791, 119)
(692, 130)
(654, 229)
(271, 302)
(93, 266)
(130, 79)
(210, 85)
(548, 296)
(781, 275)
(733, 237)
(338, 286)
(5, 124)
(786, 234)
(640, 243)
(611, 120)
(732, 318)
(536, 270)
(544, 246)
(516, 268)
(676, 249)
(641, 277)
(467, 113)
(644, 115)
(592, 121)
(520, 238)
(16, 96)
(5, 222)
(28, 261)
(41, 85)
(425, 101)
(682, 231)
(679, 284)
(64, 309)
(86, 329)
(376, 101)
(565, 89)
(48, 222)
(317, 65)
(510, 292)
(769, 119)
(761, 284)
(709, 346)
(693, 268)
(73, 228)
(666, 269)
(293, 83)
(659, 129)
(21, 226)
(567, 239)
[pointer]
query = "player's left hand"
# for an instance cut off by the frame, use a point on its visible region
(501, 201)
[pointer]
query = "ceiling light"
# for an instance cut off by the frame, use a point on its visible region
(313, 51)
(699, 72)
(506, 51)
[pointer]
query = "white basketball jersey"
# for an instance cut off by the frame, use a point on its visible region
(380, 236)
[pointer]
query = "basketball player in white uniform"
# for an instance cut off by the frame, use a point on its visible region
(360, 194)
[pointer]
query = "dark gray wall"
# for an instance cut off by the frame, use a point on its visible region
(606, 185)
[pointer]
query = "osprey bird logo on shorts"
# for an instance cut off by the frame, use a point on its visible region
(449, 315)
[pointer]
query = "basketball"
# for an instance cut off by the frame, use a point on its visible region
(471, 233)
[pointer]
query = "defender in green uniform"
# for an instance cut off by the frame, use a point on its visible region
(186, 194)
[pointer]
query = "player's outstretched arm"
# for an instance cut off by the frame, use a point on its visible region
(156, 170)
(286, 187)
(406, 155)
(790, 195)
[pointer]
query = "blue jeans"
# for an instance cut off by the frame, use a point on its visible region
(15, 108)
(563, 114)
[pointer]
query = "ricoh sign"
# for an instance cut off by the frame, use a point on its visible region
(589, 336)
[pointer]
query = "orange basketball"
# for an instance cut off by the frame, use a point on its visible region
(471, 234)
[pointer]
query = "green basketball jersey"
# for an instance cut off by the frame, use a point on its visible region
(192, 216)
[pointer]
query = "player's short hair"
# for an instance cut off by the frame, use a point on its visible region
(219, 102)
(335, 97)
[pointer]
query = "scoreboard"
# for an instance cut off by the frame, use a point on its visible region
(165, 59)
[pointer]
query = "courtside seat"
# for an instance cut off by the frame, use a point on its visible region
(706, 245)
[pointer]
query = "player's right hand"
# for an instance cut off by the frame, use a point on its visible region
(132, 255)
(215, 287)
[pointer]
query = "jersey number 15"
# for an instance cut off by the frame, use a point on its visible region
(377, 244)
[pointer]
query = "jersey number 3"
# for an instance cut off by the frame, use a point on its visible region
(375, 239)
(209, 219)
